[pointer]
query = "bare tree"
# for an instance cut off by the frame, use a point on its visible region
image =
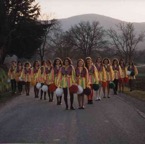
(50, 25)
(86, 37)
(126, 40)
(57, 43)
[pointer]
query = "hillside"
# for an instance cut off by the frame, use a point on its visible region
(105, 21)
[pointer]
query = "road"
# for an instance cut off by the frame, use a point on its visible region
(118, 120)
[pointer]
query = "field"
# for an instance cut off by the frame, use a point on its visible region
(140, 79)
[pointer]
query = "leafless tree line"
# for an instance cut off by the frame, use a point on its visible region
(91, 39)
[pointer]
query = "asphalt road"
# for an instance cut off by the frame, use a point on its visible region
(118, 120)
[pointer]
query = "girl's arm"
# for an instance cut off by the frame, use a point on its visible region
(96, 75)
(111, 73)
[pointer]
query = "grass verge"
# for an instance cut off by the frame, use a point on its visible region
(135, 93)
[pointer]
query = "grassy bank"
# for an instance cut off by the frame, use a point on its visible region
(139, 94)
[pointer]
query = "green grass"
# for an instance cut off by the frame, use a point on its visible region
(141, 74)
(4, 85)
(139, 94)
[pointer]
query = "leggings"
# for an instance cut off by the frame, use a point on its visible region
(36, 91)
(116, 85)
(13, 85)
(50, 95)
(20, 86)
(66, 98)
(90, 97)
(43, 92)
(59, 99)
(27, 87)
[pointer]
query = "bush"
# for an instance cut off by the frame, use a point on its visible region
(4, 85)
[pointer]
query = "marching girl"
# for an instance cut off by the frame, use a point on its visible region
(109, 76)
(134, 72)
(66, 78)
(93, 77)
(57, 66)
(123, 76)
(42, 77)
(117, 74)
(35, 70)
(18, 73)
(11, 75)
(49, 78)
(82, 79)
(101, 75)
(26, 77)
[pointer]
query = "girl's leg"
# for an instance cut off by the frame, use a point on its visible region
(122, 86)
(15, 85)
(21, 87)
(71, 101)
(60, 98)
(65, 97)
(108, 92)
(79, 101)
(35, 91)
(100, 89)
(82, 101)
(104, 92)
(28, 88)
(41, 95)
(97, 95)
(51, 96)
(116, 86)
(90, 97)
(57, 100)
(44, 95)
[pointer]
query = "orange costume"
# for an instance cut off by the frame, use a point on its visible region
(124, 72)
(109, 73)
(134, 70)
(34, 76)
(82, 77)
(12, 72)
(18, 73)
(101, 74)
(49, 75)
(42, 75)
(66, 77)
(26, 74)
(93, 79)
(117, 71)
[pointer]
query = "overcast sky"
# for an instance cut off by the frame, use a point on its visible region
(126, 10)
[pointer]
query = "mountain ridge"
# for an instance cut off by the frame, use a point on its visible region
(105, 21)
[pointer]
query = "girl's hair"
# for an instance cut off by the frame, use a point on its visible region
(34, 64)
(69, 60)
(27, 63)
(49, 61)
(54, 63)
(79, 61)
(115, 59)
(42, 63)
(19, 63)
(121, 60)
(88, 58)
(106, 59)
(99, 58)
